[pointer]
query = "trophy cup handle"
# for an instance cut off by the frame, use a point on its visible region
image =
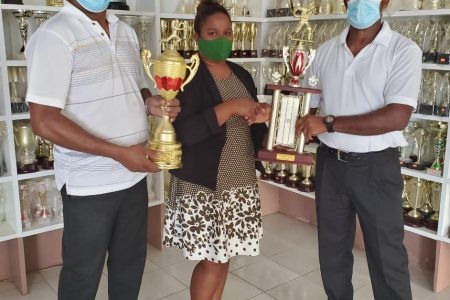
(146, 56)
(286, 56)
(195, 63)
(312, 56)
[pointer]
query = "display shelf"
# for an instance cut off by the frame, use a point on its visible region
(417, 13)
(282, 186)
(29, 7)
(4, 118)
(4, 179)
(16, 63)
(437, 67)
(132, 13)
(16, 117)
(422, 175)
(423, 232)
(429, 118)
(55, 225)
(36, 174)
(177, 16)
(256, 60)
(7, 232)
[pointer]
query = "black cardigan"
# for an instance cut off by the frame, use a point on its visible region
(198, 130)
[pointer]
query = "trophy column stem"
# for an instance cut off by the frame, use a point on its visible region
(273, 119)
(304, 111)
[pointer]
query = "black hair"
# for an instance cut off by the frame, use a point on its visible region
(206, 9)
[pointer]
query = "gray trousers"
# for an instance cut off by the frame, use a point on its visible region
(370, 188)
(113, 224)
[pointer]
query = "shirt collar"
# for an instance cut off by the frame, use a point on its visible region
(71, 9)
(383, 37)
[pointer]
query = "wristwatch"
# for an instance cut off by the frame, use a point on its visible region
(329, 122)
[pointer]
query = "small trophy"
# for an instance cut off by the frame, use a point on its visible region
(443, 56)
(338, 7)
(325, 7)
(406, 151)
(40, 150)
(406, 199)
(293, 180)
(442, 107)
(420, 138)
(268, 171)
(432, 41)
(426, 208)
(165, 33)
(119, 5)
(439, 148)
(170, 77)
(253, 32)
(186, 34)
(48, 162)
(18, 89)
(25, 208)
(283, 146)
(415, 217)
(273, 44)
(42, 213)
(40, 16)
(272, 12)
(237, 33)
(306, 185)
(280, 174)
(427, 105)
(431, 4)
(24, 139)
(245, 32)
(22, 16)
(433, 221)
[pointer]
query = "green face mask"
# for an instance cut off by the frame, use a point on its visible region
(216, 50)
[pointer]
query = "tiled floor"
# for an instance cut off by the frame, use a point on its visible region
(287, 269)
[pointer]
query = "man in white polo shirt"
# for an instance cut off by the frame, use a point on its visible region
(86, 90)
(370, 78)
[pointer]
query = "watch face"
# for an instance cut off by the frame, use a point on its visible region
(329, 119)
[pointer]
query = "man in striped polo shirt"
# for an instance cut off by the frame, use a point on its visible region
(86, 88)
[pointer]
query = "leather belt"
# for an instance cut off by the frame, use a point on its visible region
(351, 156)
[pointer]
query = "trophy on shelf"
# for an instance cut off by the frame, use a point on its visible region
(419, 191)
(19, 2)
(188, 34)
(338, 7)
(22, 16)
(253, 32)
(439, 148)
(433, 221)
(40, 16)
(42, 212)
(25, 208)
(24, 139)
(443, 56)
(426, 208)
(283, 146)
(306, 185)
(293, 180)
(40, 150)
(268, 171)
(428, 95)
(18, 89)
(325, 7)
(442, 106)
(165, 32)
(169, 77)
(280, 176)
(420, 138)
(55, 3)
(432, 41)
(245, 31)
(143, 31)
(406, 151)
(406, 199)
(431, 4)
(274, 51)
(119, 5)
(235, 51)
(183, 7)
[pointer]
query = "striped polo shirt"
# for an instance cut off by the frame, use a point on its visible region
(96, 80)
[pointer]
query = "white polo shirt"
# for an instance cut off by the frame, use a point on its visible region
(96, 81)
(386, 71)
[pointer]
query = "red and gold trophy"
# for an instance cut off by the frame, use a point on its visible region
(292, 101)
(170, 72)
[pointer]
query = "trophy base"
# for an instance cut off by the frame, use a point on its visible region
(245, 53)
(28, 168)
(236, 53)
(414, 221)
(416, 166)
(443, 59)
(266, 176)
(19, 108)
(280, 177)
(265, 53)
(284, 12)
(40, 159)
(426, 109)
(429, 57)
(306, 187)
(292, 183)
(406, 210)
(12, 2)
(434, 172)
(118, 6)
(280, 53)
(441, 111)
(405, 162)
(290, 157)
(168, 155)
(47, 164)
(432, 224)
(253, 53)
(273, 53)
(271, 13)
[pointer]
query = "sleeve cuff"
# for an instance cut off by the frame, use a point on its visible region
(46, 101)
(211, 119)
(401, 100)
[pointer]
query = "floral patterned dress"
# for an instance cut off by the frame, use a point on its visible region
(217, 225)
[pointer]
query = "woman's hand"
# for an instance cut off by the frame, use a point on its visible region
(263, 113)
(155, 107)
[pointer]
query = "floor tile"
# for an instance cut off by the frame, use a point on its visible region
(182, 271)
(364, 293)
(360, 262)
(277, 222)
(33, 278)
(6, 286)
(183, 295)
(236, 288)
(272, 244)
(298, 289)
(265, 274)
(158, 284)
(297, 260)
(444, 295)
(359, 280)
(102, 294)
(240, 261)
(165, 257)
(262, 297)
(50, 272)
(38, 291)
(53, 282)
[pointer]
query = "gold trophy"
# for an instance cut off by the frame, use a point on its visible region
(165, 32)
(268, 171)
(23, 15)
(253, 32)
(283, 146)
(25, 142)
(306, 185)
(433, 220)
(25, 209)
(40, 17)
(427, 208)
(169, 77)
(236, 53)
(293, 180)
(439, 148)
(419, 191)
(406, 202)
(280, 175)
(245, 31)
(187, 40)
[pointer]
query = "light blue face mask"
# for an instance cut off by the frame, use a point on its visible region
(362, 14)
(95, 6)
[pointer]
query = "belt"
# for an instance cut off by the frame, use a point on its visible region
(351, 156)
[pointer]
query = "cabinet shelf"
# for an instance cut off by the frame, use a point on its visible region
(55, 225)
(422, 175)
(430, 118)
(7, 232)
(36, 174)
(436, 67)
(423, 232)
(20, 116)
(292, 190)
